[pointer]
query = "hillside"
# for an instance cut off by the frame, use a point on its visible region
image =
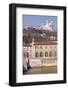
(38, 35)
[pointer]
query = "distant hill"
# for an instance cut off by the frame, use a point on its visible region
(38, 35)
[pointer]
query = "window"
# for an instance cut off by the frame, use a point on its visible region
(50, 46)
(41, 47)
(36, 47)
(45, 47)
(55, 53)
(46, 54)
(50, 54)
(41, 54)
(54, 46)
(36, 54)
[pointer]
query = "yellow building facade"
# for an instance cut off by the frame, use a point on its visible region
(47, 50)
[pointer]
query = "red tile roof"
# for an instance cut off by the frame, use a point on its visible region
(42, 43)
(45, 43)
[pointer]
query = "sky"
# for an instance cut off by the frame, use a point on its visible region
(38, 20)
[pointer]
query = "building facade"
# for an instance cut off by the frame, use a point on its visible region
(42, 50)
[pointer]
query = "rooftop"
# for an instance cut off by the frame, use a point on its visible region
(41, 43)
(45, 43)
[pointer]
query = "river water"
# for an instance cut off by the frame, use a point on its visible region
(42, 70)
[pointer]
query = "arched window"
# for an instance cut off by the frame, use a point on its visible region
(45, 46)
(36, 54)
(46, 54)
(36, 47)
(41, 47)
(41, 54)
(55, 53)
(50, 54)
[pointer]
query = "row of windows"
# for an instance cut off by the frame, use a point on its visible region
(50, 54)
(41, 47)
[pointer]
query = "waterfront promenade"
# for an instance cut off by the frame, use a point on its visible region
(42, 67)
